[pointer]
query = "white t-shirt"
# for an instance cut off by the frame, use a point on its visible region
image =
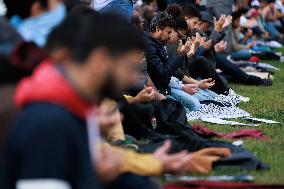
(243, 21)
(99, 4)
(2, 8)
(279, 5)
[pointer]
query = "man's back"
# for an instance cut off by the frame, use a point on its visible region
(48, 143)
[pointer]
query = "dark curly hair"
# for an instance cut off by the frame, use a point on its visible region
(175, 10)
(191, 11)
(162, 20)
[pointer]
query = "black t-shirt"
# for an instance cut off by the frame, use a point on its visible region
(48, 142)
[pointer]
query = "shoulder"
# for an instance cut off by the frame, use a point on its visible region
(44, 120)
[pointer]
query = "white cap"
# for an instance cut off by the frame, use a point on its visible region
(255, 3)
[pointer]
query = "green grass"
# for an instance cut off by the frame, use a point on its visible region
(266, 102)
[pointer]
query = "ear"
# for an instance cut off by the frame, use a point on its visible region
(99, 59)
(158, 29)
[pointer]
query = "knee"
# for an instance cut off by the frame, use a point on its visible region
(203, 61)
(186, 100)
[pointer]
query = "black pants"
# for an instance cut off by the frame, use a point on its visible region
(201, 67)
(228, 68)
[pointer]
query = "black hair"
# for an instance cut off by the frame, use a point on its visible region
(82, 33)
(148, 14)
(175, 10)
(270, 1)
(137, 20)
(191, 11)
(181, 23)
(236, 15)
(81, 9)
(267, 1)
(243, 10)
(162, 20)
(23, 7)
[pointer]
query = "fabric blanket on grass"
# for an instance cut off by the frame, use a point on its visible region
(221, 107)
(243, 133)
(225, 107)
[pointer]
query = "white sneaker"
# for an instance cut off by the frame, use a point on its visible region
(282, 59)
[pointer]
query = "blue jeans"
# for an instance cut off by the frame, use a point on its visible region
(261, 48)
(123, 8)
(191, 102)
(271, 29)
(206, 94)
(241, 55)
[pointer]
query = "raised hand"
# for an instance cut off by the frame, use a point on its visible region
(190, 88)
(206, 83)
(228, 21)
(197, 39)
(221, 46)
(195, 43)
(218, 24)
(182, 50)
(207, 44)
(148, 94)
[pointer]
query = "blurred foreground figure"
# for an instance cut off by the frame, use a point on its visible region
(54, 140)
(35, 19)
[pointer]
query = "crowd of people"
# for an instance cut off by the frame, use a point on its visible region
(95, 94)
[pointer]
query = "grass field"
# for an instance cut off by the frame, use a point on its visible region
(266, 102)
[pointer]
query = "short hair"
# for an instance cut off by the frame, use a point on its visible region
(181, 23)
(82, 33)
(191, 11)
(175, 10)
(236, 15)
(270, 1)
(81, 9)
(161, 20)
(243, 10)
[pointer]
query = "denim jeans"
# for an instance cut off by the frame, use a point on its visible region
(231, 70)
(120, 7)
(191, 102)
(271, 29)
(241, 55)
(261, 48)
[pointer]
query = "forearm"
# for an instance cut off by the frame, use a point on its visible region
(216, 37)
(131, 99)
(189, 80)
(136, 163)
